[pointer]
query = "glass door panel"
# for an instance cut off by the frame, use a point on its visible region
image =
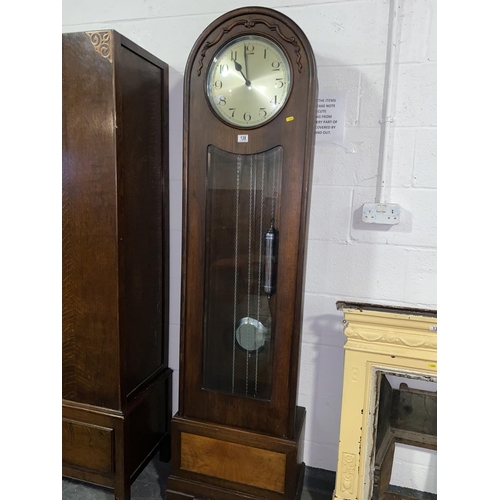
(242, 228)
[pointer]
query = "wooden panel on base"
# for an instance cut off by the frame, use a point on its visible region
(224, 463)
(248, 465)
(114, 436)
(77, 452)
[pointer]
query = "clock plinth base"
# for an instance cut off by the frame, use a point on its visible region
(227, 463)
(111, 447)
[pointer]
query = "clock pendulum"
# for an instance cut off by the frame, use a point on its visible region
(250, 91)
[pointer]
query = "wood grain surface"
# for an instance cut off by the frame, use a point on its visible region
(84, 444)
(234, 462)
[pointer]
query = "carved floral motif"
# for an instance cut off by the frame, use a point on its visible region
(348, 468)
(250, 23)
(408, 339)
(101, 40)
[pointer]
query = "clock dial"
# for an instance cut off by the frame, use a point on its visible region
(249, 81)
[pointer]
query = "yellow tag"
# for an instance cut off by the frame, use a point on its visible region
(289, 118)
(432, 365)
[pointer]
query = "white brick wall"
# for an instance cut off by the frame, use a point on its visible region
(414, 468)
(346, 259)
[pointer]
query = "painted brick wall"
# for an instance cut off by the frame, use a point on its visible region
(347, 259)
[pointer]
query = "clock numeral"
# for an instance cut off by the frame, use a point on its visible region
(265, 53)
(247, 117)
(279, 83)
(274, 101)
(224, 69)
(234, 55)
(233, 110)
(249, 49)
(263, 112)
(275, 65)
(221, 101)
(218, 84)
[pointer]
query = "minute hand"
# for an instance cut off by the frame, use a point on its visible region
(237, 66)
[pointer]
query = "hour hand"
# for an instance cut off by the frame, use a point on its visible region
(238, 68)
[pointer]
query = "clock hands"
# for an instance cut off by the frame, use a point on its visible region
(238, 67)
(245, 57)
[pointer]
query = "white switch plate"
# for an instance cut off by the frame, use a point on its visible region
(381, 213)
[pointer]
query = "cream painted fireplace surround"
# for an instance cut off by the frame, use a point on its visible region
(379, 340)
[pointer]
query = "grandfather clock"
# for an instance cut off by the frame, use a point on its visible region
(250, 93)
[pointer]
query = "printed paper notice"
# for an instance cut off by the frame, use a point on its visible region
(330, 117)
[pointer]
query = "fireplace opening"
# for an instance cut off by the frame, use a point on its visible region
(404, 425)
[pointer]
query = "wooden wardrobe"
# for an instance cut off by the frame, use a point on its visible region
(116, 384)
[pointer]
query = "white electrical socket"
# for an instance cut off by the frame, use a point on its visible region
(381, 213)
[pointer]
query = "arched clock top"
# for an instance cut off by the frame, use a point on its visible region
(251, 23)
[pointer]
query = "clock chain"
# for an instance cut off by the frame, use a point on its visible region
(273, 199)
(260, 260)
(253, 214)
(250, 226)
(238, 174)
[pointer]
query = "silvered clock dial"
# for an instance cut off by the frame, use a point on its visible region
(249, 81)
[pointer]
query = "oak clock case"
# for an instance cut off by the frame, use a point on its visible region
(250, 91)
(116, 384)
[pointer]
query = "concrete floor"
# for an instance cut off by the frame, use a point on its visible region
(152, 483)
